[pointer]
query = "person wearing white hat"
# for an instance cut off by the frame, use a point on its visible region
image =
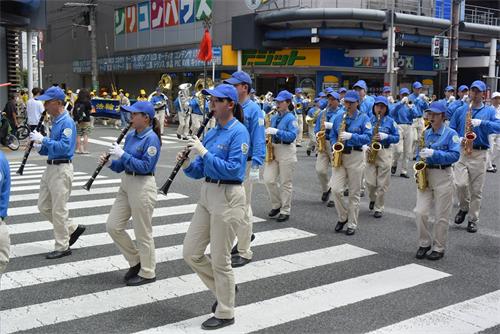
(494, 139)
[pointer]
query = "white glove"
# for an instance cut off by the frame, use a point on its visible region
(404, 99)
(475, 122)
(194, 144)
(451, 99)
(365, 148)
(383, 135)
(101, 160)
(36, 136)
(271, 131)
(426, 153)
(421, 96)
(254, 174)
(37, 146)
(116, 151)
(186, 162)
(390, 99)
(345, 135)
(328, 125)
(465, 98)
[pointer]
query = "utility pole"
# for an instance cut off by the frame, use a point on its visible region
(455, 20)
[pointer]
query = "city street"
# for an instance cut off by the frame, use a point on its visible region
(304, 277)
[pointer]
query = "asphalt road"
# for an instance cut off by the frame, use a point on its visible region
(304, 277)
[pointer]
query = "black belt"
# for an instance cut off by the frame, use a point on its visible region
(280, 142)
(480, 147)
(386, 146)
(58, 161)
(139, 174)
(438, 166)
(348, 149)
(209, 180)
(249, 158)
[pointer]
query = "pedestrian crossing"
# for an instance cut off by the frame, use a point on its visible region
(170, 140)
(58, 310)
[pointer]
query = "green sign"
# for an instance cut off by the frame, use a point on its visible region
(119, 21)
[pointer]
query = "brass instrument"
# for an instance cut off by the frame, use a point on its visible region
(470, 135)
(184, 96)
(312, 120)
(269, 140)
(420, 167)
(198, 87)
(165, 82)
(321, 135)
(338, 147)
(375, 146)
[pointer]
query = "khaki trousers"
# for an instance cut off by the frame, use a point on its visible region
(404, 146)
(418, 127)
(196, 121)
(183, 128)
(4, 246)
(136, 198)
(278, 176)
(350, 175)
(311, 142)
(300, 123)
(220, 211)
(437, 196)
(323, 166)
(55, 189)
(245, 229)
(494, 151)
(160, 116)
(469, 180)
(378, 176)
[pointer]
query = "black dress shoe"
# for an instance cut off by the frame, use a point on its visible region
(433, 256)
(326, 195)
(340, 226)
(138, 280)
(346, 192)
(178, 136)
(393, 169)
(404, 175)
(308, 152)
(330, 204)
(132, 271)
(184, 138)
(58, 254)
(238, 261)
(283, 218)
(491, 170)
(362, 193)
(274, 212)
(377, 214)
(214, 305)
(75, 235)
(350, 231)
(372, 205)
(298, 145)
(234, 250)
(460, 217)
(471, 227)
(216, 323)
(421, 252)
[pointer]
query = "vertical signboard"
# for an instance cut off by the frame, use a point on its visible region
(157, 14)
(131, 18)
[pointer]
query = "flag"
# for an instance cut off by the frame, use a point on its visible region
(205, 51)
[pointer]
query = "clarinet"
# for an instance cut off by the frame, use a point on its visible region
(87, 185)
(166, 185)
(30, 146)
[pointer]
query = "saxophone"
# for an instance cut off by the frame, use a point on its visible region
(420, 167)
(321, 135)
(469, 136)
(338, 147)
(375, 146)
(269, 140)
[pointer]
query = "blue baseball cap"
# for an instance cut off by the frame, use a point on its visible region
(462, 88)
(417, 85)
(381, 99)
(342, 90)
(351, 96)
(438, 107)
(223, 91)
(239, 77)
(404, 91)
(298, 90)
(322, 104)
(329, 90)
(284, 95)
(53, 93)
(449, 89)
(386, 89)
(316, 99)
(141, 106)
(360, 84)
(335, 95)
(321, 94)
(479, 85)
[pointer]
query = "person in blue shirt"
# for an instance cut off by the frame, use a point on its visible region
(136, 197)
(357, 132)
(403, 113)
(312, 116)
(387, 92)
(365, 101)
(441, 149)
(4, 203)
(463, 96)
(160, 103)
(323, 163)
(342, 91)
(378, 171)
(183, 118)
(449, 95)
(57, 179)
(196, 114)
(417, 98)
(221, 161)
(278, 174)
(299, 99)
(254, 122)
(470, 170)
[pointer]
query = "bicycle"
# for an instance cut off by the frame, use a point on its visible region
(6, 137)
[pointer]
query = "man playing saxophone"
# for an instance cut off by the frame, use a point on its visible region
(379, 155)
(474, 122)
(350, 131)
(441, 149)
(311, 118)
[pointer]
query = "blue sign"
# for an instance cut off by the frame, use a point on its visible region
(106, 108)
(186, 11)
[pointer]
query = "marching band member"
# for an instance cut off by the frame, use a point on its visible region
(196, 114)
(403, 113)
(441, 148)
(136, 197)
(124, 116)
(419, 105)
(221, 160)
(254, 122)
(57, 179)
(377, 172)
(471, 168)
(142, 95)
(160, 103)
(494, 139)
(324, 123)
(463, 92)
(312, 116)
(299, 98)
(386, 91)
(353, 128)
(449, 95)
(183, 114)
(4, 203)
(365, 101)
(278, 174)
(342, 91)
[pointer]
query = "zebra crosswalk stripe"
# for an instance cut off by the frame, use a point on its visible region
(75, 184)
(77, 192)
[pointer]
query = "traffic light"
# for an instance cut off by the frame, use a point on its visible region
(435, 48)
(436, 64)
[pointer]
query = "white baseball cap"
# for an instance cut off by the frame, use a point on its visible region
(495, 94)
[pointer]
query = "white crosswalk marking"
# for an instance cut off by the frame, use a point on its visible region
(75, 184)
(77, 192)
(75, 178)
(29, 172)
(35, 176)
(113, 139)
(100, 142)
(32, 168)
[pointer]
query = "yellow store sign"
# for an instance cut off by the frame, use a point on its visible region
(286, 58)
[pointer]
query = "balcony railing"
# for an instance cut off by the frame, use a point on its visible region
(482, 15)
